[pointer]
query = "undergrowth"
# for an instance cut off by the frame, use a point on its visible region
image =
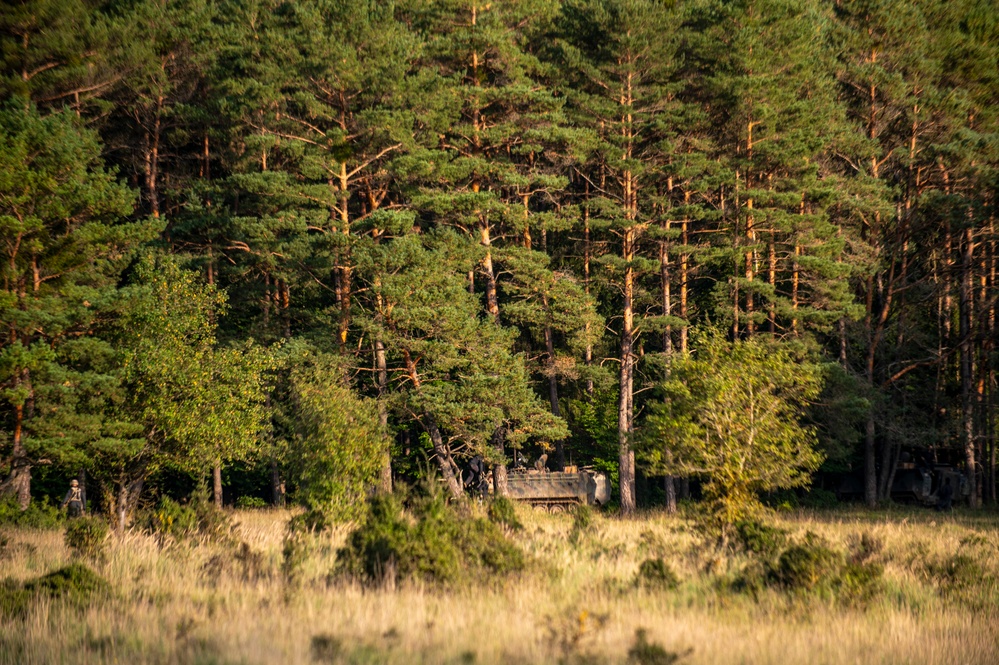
(426, 538)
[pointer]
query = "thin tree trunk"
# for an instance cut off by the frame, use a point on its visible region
(967, 411)
(553, 391)
(18, 483)
(626, 454)
(381, 367)
(500, 487)
(492, 302)
(217, 484)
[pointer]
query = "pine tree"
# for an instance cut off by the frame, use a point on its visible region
(64, 248)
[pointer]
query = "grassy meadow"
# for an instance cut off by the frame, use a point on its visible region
(580, 600)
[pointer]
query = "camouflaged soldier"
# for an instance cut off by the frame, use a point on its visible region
(74, 499)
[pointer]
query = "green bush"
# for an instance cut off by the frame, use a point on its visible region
(430, 541)
(759, 539)
(86, 536)
(819, 498)
(656, 574)
(860, 582)
(311, 521)
(38, 515)
(198, 518)
(583, 521)
(250, 502)
(75, 584)
(957, 572)
(808, 566)
(502, 511)
(294, 554)
(644, 652)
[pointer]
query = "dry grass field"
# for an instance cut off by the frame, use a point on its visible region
(200, 603)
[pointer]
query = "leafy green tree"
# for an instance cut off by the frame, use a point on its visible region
(620, 59)
(732, 415)
(62, 253)
(338, 444)
(180, 398)
(454, 372)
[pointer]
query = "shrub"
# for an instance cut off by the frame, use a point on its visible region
(294, 554)
(644, 652)
(656, 574)
(75, 584)
(311, 521)
(819, 498)
(432, 542)
(502, 511)
(583, 519)
(38, 515)
(864, 548)
(198, 518)
(759, 539)
(808, 566)
(860, 582)
(170, 518)
(957, 572)
(250, 502)
(86, 536)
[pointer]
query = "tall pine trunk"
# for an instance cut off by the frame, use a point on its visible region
(967, 408)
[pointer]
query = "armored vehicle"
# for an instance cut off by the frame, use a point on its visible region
(922, 484)
(556, 491)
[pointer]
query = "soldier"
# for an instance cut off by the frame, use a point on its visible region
(474, 477)
(75, 499)
(945, 496)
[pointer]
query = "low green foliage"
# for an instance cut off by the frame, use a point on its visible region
(250, 502)
(87, 536)
(502, 511)
(583, 522)
(760, 539)
(808, 566)
(199, 518)
(39, 514)
(819, 498)
(646, 652)
(75, 584)
(656, 574)
(428, 541)
(957, 573)
(294, 554)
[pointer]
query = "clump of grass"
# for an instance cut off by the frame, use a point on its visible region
(808, 565)
(760, 539)
(646, 652)
(75, 584)
(199, 518)
(429, 541)
(502, 511)
(87, 536)
(583, 523)
(656, 574)
(294, 554)
(326, 648)
(864, 548)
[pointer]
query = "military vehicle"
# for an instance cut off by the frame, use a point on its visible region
(914, 482)
(558, 491)
(922, 483)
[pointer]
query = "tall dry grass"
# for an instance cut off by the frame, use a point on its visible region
(190, 603)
